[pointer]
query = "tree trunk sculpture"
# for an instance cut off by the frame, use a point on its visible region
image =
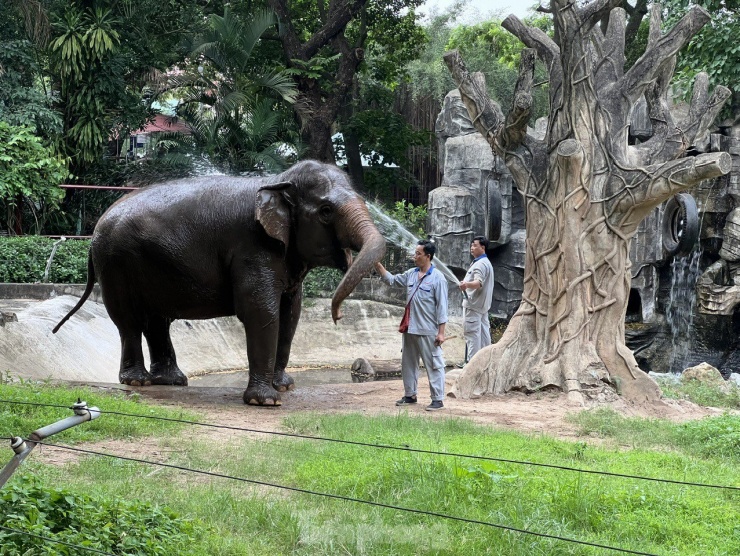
(586, 191)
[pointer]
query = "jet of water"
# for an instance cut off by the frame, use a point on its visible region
(397, 234)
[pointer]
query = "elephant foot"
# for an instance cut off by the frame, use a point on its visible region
(168, 375)
(283, 382)
(135, 376)
(262, 395)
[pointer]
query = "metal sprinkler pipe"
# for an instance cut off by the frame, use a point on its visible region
(23, 448)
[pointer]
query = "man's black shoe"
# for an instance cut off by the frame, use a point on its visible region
(406, 400)
(435, 405)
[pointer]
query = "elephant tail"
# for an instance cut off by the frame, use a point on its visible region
(85, 295)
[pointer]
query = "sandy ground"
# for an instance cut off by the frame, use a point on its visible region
(543, 413)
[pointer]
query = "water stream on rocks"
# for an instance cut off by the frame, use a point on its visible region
(685, 272)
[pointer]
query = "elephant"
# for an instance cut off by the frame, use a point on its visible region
(216, 246)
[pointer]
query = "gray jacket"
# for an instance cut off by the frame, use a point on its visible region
(429, 303)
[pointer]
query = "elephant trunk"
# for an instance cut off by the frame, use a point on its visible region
(355, 229)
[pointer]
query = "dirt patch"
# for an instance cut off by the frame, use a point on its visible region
(542, 413)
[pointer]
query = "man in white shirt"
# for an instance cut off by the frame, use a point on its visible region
(478, 289)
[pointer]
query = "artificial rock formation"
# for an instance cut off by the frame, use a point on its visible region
(476, 189)
(718, 289)
(586, 192)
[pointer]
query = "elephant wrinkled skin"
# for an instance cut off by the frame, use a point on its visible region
(216, 246)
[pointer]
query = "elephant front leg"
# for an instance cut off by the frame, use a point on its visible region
(290, 312)
(261, 327)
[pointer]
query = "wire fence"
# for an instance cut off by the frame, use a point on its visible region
(345, 498)
(382, 447)
(397, 448)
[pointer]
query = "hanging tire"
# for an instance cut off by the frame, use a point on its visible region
(680, 225)
(494, 213)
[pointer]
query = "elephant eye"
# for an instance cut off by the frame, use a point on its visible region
(326, 211)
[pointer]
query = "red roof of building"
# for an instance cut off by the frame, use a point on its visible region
(163, 123)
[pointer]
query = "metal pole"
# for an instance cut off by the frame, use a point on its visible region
(22, 448)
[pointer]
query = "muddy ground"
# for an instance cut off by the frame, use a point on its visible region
(544, 412)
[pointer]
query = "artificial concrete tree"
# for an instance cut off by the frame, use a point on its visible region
(586, 190)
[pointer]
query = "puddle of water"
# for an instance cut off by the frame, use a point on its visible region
(308, 377)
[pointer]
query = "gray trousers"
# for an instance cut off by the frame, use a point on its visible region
(477, 331)
(414, 348)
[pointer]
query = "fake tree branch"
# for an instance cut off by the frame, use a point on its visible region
(667, 141)
(648, 187)
(703, 111)
(593, 13)
(516, 122)
(485, 114)
(546, 48)
(650, 64)
(507, 137)
(670, 141)
(610, 65)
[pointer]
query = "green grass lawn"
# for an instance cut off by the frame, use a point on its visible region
(237, 517)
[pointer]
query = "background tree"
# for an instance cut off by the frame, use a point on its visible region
(92, 63)
(22, 101)
(586, 191)
(234, 104)
(29, 176)
(324, 48)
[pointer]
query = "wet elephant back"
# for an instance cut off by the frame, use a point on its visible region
(167, 249)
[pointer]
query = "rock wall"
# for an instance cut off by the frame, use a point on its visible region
(476, 198)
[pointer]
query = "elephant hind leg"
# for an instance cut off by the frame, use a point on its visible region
(164, 369)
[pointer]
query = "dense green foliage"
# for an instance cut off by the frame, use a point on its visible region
(101, 55)
(714, 50)
(234, 105)
(29, 175)
(327, 50)
(486, 47)
(413, 218)
(22, 103)
(321, 282)
(489, 48)
(25, 259)
(85, 75)
(115, 526)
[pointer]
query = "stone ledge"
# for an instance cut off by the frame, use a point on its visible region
(41, 292)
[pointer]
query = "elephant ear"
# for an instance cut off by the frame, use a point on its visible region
(273, 210)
